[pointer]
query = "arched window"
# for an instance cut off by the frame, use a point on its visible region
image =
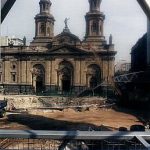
(44, 7)
(42, 28)
(47, 7)
(95, 27)
(48, 31)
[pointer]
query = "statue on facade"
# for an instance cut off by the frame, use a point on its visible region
(66, 22)
(110, 39)
(24, 41)
(66, 29)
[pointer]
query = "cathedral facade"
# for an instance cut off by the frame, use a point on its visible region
(61, 63)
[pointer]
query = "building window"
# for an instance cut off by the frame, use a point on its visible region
(47, 6)
(13, 76)
(94, 3)
(42, 28)
(48, 31)
(43, 6)
(13, 66)
(94, 27)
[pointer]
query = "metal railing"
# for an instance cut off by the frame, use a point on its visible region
(73, 140)
(141, 76)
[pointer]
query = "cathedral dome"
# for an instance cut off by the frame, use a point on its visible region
(45, 0)
(66, 37)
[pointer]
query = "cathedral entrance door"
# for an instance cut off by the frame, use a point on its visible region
(93, 82)
(39, 84)
(38, 78)
(66, 84)
(93, 75)
(65, 76)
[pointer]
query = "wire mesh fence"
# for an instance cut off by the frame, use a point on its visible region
(48, 144)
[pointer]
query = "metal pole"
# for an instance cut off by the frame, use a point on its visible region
(148, 42)
(26, 75)
(107, 74)
(32, 83)
(20, 70)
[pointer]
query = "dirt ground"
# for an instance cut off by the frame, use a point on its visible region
(69, 119)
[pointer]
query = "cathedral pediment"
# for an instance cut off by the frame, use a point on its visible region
(63, 50)
(66, 49)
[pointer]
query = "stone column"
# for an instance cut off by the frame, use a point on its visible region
(47, 73)
(102, 28)
(7, 76)
(90, 28)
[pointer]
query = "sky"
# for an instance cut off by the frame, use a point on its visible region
(125, 20)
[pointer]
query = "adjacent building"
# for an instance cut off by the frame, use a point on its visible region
(139, 55)
(59, 63)
(145, 4)
(122, 67)
(11, 41)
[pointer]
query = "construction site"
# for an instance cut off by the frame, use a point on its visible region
(59, 92)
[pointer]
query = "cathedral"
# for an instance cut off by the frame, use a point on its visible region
(59, 63)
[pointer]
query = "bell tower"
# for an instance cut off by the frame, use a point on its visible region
(45, 6)
(94, 23)
(44, 25)
(94, 5)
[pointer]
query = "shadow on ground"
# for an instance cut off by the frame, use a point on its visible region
(36, 122)
(142, 115)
